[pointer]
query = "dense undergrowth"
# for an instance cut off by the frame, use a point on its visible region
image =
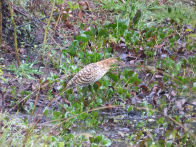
(155, 41)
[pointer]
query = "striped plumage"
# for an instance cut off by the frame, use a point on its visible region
(91, 73)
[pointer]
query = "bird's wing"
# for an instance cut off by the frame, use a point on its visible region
(84, 77)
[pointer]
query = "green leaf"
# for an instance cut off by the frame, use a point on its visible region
(56, 114)
(137, 17)
(128, 73)
(114, 77)
(107, 142)
(103, 32)
(130, 108)
(169, 9)
(46, 111)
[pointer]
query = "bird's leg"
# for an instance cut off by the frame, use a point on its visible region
(93, 93)
(85, 96)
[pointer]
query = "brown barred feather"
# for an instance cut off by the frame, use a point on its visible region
(91, 73)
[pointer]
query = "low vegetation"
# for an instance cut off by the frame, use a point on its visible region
(148, 99)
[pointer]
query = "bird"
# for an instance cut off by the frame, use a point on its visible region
(91, 73)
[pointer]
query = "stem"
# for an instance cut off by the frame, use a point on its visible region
(15, 32)
(47, 26)
(0, 22)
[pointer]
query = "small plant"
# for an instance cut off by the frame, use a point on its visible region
(25, 70)
(100, 140)
(1, 75)
(73, 6)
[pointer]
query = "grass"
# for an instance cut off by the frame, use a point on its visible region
(151, 32)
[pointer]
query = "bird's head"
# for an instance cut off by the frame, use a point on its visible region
(110, 61)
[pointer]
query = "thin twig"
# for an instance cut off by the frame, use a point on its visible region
(15, 31)
(1, 22)
(48, 24)
(36, 99)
